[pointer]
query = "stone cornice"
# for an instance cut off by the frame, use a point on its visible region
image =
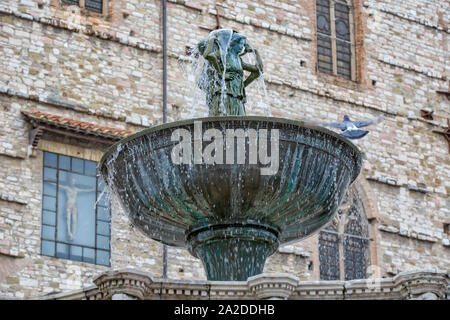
(140, 285)
(319, 290)
(42, 100)
(428, 73)
(245, 20)
(411, 234)
(84, 29)
(406, 16)
(394, 183)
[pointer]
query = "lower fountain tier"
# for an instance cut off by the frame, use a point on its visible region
(231, 213)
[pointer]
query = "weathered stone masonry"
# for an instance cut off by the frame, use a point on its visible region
(107, 69)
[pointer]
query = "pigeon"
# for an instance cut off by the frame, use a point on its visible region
(350, 127)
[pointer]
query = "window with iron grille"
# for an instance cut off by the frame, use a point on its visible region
(344, 245)
(335, 38)
(91, 5)
(75, 215)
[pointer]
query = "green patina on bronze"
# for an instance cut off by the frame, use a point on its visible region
(229, 215)
(225, 85)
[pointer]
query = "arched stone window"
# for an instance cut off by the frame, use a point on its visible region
(344, 244)
(336, 38)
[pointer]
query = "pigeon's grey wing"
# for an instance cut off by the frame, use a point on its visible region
(339, 125)
(366, 123)
(354, 134)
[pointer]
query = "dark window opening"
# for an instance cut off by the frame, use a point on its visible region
(91, 5)
(335, 49)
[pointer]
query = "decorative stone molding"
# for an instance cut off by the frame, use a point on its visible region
(277, 286)
(93, 293)
(127, 281)
(420, 284)
(132, 284)
(180, 289)
(234, 290)
(371, 289)
(319, 290)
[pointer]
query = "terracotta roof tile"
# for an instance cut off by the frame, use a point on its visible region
(75, 125)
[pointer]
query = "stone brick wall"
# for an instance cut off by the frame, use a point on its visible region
(107, 69)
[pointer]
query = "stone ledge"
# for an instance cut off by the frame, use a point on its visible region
(220, 290)
(132, 284)
(392, 62)
(319, 290)
(406, 16)
(412, 186)
(294, 251)
(245, 20)
(61, 24)
(326, 94)
(134, 119)
(407, 233)
(9, 198)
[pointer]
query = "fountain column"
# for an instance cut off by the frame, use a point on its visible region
(233, 252)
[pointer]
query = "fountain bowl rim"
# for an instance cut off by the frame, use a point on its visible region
(179, 123)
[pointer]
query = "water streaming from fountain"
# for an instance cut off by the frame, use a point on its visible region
(230, 214)
(200, 77)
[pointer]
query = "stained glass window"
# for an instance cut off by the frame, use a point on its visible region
(335, 49)
(344, 245)
(74, 225)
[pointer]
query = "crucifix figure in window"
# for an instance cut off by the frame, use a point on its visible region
(71, 206)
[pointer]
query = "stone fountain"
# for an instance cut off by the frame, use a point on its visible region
(229, 187)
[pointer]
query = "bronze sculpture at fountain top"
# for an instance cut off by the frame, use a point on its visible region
(223, 79)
